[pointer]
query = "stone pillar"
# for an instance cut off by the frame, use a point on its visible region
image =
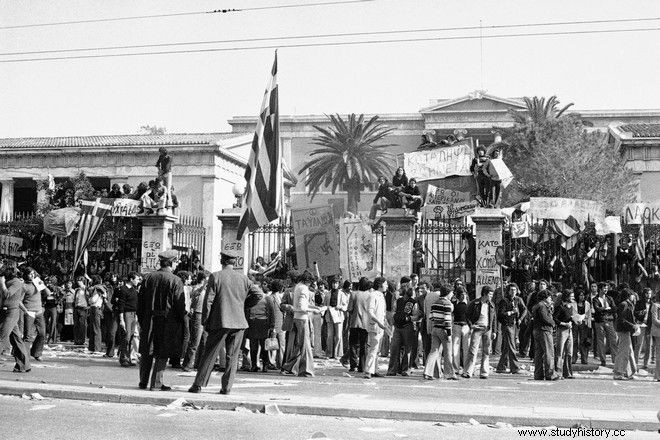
(398, 240)
(7, 200)
(230, 245)
(490, 252)
(156, 238)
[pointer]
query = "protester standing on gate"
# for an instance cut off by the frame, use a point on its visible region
(228, 294)
(161, 306)
(11, 309)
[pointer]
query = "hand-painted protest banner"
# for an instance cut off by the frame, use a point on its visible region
(503, 172)
(357, 250)
(443, 196)
(638, 213)
(489, 251)
(456, 210)
(125, 208)
(560, 209)
(316, 239)
(10, 245)
(520, 229)
(611, 225)
(234, 248)
(151, 247)
(439, 163)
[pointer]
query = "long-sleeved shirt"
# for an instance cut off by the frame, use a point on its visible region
(542, 317)
(514, 305)
(603, 308)
(11, 294)
(301, 298)
(376, 309)
(80, 298)
(441, 313)
(32, 298)
(127, 299)
(460, 313)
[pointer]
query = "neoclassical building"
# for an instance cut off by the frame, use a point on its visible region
(474, 115)
(207, 165)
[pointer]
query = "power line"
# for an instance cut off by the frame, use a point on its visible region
(181, 14)
(345, 34)
(336, 43)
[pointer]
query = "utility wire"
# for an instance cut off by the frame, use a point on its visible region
(345, 34)
(181, 14)
(337, 43)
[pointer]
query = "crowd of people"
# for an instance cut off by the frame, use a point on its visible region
(201, 321)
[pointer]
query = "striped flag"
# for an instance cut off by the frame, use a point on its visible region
(640, 248)
(264, 169)
(92, 213)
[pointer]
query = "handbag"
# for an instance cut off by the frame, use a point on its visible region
(272, 344)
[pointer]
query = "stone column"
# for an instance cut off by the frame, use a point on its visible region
(7, 200)
(399, 236)
(156, 238)
(490, 252)
(229, 219)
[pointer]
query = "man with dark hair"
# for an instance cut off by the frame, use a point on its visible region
(412, 196)
(160, 309)
(478, 168)
(440, 316)
(358, 306)
(624, 365)
(11, 305)
(481, 318)
(544, 352)
(376, 326)
(126, 305)
(228, 294)
(604, 307)
(164, 165)
(510, 311)
(406, 312)
(387, 197)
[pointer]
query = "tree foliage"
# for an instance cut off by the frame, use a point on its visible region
(350, 154)
(557, 157)
(538, 110)
(152, 129)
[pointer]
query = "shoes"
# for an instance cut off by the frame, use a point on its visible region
(18, 370)
(254, 369)
(344, 363)
(620, 378)
(142, 386)
(569, 377)
(127, 364)
(264, 369)
(602, 363)
(452, 378)
(483, 376)
(286, 373)
(195, 389)
(224, 391)
(377, 375)
(37, 358)
(271, 367)
(516, 372)
(500, 371)
(186, 369)
(465, 376)
(427, 377)
(405, 373)
(555, 377)
(391, 374)
(351, 370)
(367, 376)
(162, 388)
(306, 374)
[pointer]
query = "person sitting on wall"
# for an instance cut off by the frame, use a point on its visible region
(153, 198)
(427, 142)
(387, 197)
(115, 192)
(400, 180)
(411, 197)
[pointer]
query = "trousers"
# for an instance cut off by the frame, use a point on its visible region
(479, 338)
(9, 329)
(508, 357)
(441, 349)
(231, 339)
(301, 360)
(544, 353)
(373, 345)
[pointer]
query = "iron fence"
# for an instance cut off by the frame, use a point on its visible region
(189, 236)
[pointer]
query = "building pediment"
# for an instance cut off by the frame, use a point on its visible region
(474, 102)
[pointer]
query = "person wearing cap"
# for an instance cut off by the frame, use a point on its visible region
(481, 319)
(160, 310)
(228, 294)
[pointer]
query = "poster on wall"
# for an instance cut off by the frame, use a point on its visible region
(398, 253)
(444, 196)
(558, 208)
(456, 210)
(441, 162)
(316, 239)
(10, 245)
(357, 250)
(490, 255)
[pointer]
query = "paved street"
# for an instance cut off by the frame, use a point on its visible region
(95, 420)
(501, 394)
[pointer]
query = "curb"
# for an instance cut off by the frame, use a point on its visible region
(231, 403)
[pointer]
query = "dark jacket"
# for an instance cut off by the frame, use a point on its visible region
(563, 313)
(228, 294)
(12, 298)
(400, 181)
(387, 191)
(474, 311)
(600, 312)
(164, 163)
(542, 317)
(625, 319)
(514, 304)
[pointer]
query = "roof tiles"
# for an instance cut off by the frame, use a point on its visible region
(117, 140)
(642, 130)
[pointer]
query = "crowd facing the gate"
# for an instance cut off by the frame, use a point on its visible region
(429, 330)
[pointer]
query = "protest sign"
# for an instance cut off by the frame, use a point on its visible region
(503, 172)
(10, 245)
(638, 213)
(125, 208)
(357, 250)
(316, 239)
(560, 209)
(456, 210)
(611, 225)
(443, 196)
(519, 229)
(489, 255)
(439, 163)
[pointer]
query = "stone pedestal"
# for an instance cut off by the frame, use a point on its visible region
(230, 245)
(399, 230)
(156, 238)
(489, 249)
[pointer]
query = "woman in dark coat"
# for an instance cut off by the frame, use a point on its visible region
(259, 321)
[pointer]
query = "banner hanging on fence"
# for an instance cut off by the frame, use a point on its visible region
(456, 210)
(125, 208)
(519, 229)
(557, 208)
(10, 245)
(440, 162)
(316, 239)
(638, 213)
(611, 225)
(357, 250)
(443, 196)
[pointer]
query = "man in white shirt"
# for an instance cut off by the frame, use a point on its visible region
(301, 361)
(376, 326)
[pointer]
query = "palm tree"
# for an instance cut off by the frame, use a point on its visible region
(350, 156)
(538, 110)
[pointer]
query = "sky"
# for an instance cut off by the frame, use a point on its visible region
(199, 92)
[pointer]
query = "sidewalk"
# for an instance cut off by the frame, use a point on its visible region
(352, 407)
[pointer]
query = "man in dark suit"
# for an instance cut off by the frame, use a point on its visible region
(160, 311)
(358, 305)
(228, 294)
